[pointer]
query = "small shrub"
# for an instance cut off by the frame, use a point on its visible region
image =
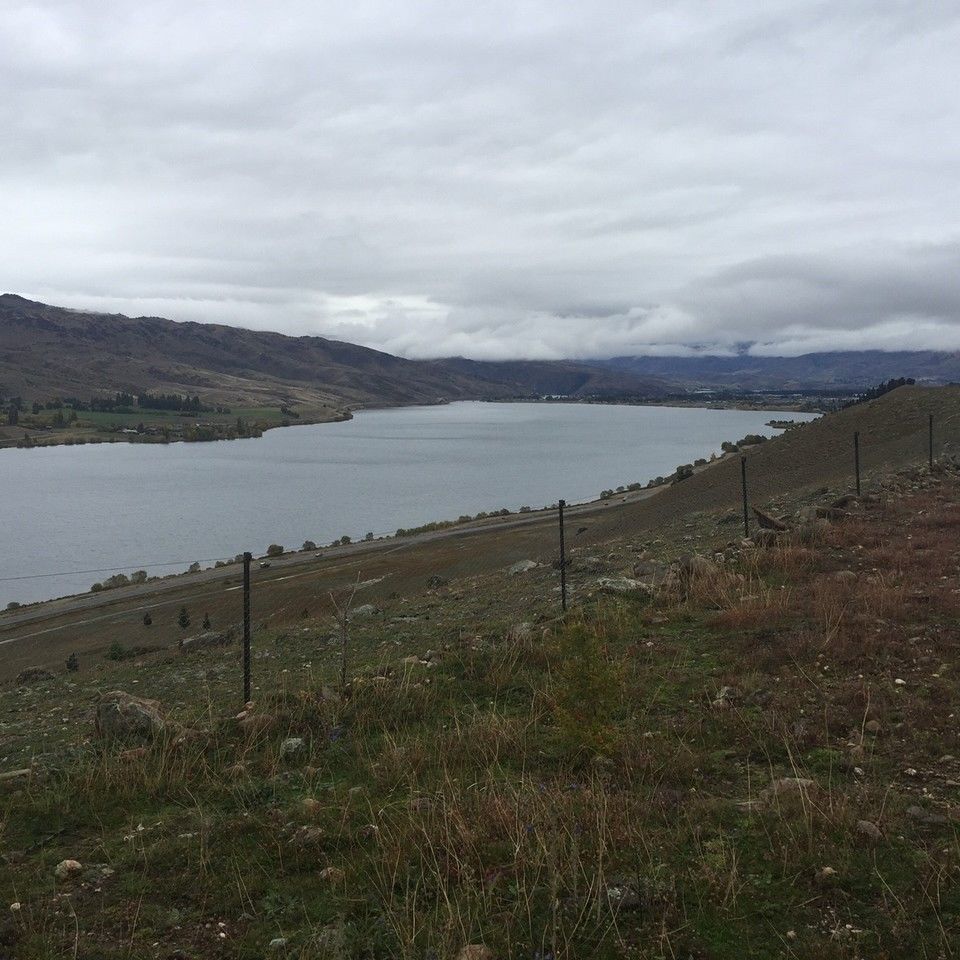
(147, 620)
(206, 621)
(586, 693)
(73, 663)
(183, 619)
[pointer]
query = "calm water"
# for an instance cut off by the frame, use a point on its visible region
(123, 505)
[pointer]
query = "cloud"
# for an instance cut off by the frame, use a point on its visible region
(495, 180)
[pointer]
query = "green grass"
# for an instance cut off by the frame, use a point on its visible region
(566, 793)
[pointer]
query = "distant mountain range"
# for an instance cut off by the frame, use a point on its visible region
(48, 351)
(851, 370)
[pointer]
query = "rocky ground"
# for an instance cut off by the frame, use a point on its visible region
(726, 748)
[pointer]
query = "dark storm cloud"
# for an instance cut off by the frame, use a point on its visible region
(504, 179)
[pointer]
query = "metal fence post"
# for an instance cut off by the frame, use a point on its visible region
(930, 440)
(246, 627)
(563, 559)
(856, 457)
(743, 488)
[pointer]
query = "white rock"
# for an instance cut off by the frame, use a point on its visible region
(66, 869)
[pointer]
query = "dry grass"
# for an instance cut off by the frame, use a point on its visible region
(682, 778)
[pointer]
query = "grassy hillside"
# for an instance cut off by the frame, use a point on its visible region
(747, 754)
(754, 757)
(47, 351)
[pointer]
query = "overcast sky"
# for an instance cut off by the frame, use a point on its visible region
(491, 179)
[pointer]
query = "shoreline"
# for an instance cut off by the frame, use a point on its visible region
(45, 439)
(484, 521)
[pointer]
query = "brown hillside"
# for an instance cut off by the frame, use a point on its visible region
(49, 351)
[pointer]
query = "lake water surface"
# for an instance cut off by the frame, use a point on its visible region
(116, 506)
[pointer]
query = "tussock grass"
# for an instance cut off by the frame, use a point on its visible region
(681, 777)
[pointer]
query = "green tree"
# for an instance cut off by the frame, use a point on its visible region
(183, 619)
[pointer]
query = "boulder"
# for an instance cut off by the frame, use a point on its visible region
(621, 585)
(123, 717)
(521, 566)
(767, 522)
(869, 830)
(68, 869)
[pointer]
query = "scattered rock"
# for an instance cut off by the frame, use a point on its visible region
(766, 538)
(16, 776)
(437, 581)
(724, 698)
(364, 610)
(845, 576)
(521, 566)
(203, 641)
(928, 818)
(622, 896)
(872, 727)
(306, 836)
(767, 522)
(292, 747)
(621, 585)
(332, 875)
(278, 943)
(33, 675)
(519, 631)
(121, 716)
(869, 830)
(476, 951)
(68, 869)
(790, 787)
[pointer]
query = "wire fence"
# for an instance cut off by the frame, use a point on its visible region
(248, 594)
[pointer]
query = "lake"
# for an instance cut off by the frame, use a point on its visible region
(73, 515)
